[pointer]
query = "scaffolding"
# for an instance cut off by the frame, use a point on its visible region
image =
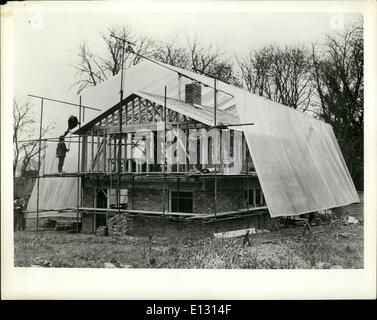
(123, 166)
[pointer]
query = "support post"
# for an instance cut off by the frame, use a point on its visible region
(248, 191)
(215, 122)
(215, 104)
(92, 151)
(133, 192)
(178, 194)
(178, 136)
(133, 111)
(178, 201)
(98, 152)
(164, 160)
(129, 151)
(120, 126)
(119, 155)
(84, 153)
(179, 86)
(105, 152)
(78, 171)
(39, 160)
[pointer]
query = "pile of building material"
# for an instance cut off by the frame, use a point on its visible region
(101, 231)
(120, 225)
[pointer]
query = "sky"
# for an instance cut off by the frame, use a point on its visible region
(46, 40)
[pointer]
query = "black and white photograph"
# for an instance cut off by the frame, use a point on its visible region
(186, 137)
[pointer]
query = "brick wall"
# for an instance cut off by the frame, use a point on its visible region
(148, 195)
(149, 200)
(87, 223)
(142, 226)
(226, 201)
(88, 197)
(88, 202)
(152, 200)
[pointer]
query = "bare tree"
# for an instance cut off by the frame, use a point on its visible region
(21, 120)
(142, 46)
(338, 74)
(202, 58)
(194, 56)
(211, 61)
(26, 146)
(291, 74)
(170, 53)
(255, 70)
(88, 69)
(93, 68)
(280, 74)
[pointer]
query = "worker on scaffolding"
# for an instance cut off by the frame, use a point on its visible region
(61, 151)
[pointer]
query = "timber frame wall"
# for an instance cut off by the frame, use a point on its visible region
(108, 147)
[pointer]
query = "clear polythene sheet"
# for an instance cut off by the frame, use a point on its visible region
(297, 158)
(55, 192)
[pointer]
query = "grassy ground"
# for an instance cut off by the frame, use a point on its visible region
(284, 249)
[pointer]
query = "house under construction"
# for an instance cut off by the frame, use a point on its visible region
(182, 146)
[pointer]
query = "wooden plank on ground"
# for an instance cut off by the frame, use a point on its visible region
(226, 213)
(234, 233)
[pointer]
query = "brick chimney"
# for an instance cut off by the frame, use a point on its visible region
(193, 93)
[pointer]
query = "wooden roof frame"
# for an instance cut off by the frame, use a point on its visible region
(174, 106)
(104, 114)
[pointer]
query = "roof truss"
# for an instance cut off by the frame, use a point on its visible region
(137, 112)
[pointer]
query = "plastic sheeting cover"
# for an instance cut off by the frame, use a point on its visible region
(55, 193)
(152, 78)
(297, 158)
